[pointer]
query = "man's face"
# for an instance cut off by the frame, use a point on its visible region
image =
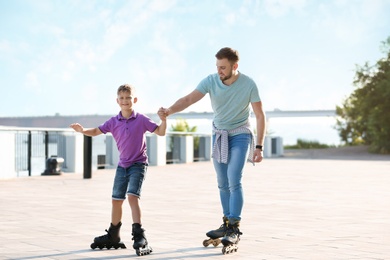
(225, 69)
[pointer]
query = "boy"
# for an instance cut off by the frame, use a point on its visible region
(128, 129)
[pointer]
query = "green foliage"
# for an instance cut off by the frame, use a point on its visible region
(305, 144)
(364, 117)
(182, 126)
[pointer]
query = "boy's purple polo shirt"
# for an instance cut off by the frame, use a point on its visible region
(129, 135)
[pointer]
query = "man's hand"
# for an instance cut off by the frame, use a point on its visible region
(163, 112)
(257, 155)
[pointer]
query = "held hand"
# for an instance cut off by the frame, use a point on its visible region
(161, 113)
(257, 155)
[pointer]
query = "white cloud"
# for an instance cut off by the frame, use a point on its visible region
(161, 6)
(277, 8)
(87, 48)
(351, 23)
(54, 31)
(32, 81)
(5, 46)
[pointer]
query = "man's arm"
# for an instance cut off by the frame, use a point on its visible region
(260, 129)
(184, 102)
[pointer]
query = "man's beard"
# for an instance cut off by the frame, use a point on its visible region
(226, 77)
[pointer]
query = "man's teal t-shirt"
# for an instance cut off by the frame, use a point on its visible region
(230, 103)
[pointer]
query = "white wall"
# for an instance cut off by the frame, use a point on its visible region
(7, 155)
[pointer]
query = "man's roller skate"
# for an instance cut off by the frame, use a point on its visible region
(231, 239)
(140, 242)
(215, 235)
(109, 240)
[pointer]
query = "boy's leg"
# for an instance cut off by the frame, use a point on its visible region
(135, 208)
(137, 175)
(116, 212)
(119, 189)
(112, 238)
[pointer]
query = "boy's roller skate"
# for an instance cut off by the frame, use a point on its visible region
(109, 240)
(215, 235)
(231, 239)
(140, 242)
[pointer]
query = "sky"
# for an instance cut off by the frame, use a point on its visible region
(69, 57)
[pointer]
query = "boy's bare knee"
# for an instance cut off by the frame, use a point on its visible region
(132, 198)
(117, 202)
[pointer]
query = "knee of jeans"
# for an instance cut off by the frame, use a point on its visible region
(235, 187)
(224, 188)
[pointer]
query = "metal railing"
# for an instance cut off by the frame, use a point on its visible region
(33, 146)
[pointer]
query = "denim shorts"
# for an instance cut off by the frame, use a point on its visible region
(129, 181)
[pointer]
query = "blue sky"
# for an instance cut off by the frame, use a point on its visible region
(69, 57)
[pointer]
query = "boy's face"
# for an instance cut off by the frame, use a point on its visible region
(125, 100)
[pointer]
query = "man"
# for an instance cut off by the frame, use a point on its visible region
(230, 92)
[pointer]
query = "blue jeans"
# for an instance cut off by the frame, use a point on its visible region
(128, 180)
(229, 176)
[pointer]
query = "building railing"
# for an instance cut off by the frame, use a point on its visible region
(24, 151)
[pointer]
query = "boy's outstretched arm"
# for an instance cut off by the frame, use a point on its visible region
(89, 132)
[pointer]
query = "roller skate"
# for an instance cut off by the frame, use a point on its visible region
(109, 240)
(215, 235)
(140, 242)
(231, 239)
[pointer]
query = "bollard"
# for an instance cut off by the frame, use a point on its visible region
(53, 165)
(87, 157)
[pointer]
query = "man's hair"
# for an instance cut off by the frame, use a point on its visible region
(228, 53)
(126, 88)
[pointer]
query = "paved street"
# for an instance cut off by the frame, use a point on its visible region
(294, 209)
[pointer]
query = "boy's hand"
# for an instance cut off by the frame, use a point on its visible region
(77, 127)
(163, 111)
(162, 114)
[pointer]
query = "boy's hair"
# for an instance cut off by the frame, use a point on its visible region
(126, 88)
(228, 53)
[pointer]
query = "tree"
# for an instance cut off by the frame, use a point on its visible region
(180, 126)
(364, 117)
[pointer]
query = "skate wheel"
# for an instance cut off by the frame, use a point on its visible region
(228, 249)
(216, 242)
(145, 250)
(206, 243)
(93, 246)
